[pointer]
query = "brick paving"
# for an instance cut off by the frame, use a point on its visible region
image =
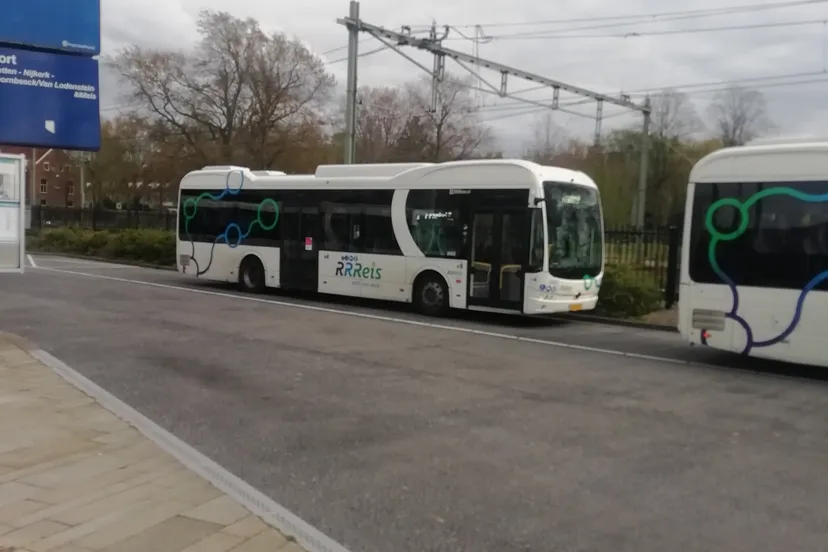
(76, 478)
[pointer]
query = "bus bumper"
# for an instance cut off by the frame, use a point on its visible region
(559, 304)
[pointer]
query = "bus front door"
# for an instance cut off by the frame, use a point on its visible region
(498, 254)
(299, 258)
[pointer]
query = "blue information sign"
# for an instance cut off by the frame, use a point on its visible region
(64, 25)
(49, 100)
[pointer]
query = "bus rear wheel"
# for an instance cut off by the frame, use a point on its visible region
(431, 295)
(252, 275)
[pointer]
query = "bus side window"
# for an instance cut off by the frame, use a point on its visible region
(537, 241)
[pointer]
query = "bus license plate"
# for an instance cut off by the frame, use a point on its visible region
(575, 307)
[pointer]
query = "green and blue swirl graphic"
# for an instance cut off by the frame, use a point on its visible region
(744, 220)
(232, 235)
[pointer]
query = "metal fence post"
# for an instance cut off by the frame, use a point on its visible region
(673, 259)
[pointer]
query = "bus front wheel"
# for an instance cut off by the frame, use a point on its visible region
(252, 275)
(431, 294)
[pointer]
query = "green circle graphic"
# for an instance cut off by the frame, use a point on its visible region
(744, 219)
(268, 227)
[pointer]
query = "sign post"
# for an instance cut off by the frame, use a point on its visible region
(12, 213)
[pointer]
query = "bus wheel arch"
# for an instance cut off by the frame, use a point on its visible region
(430, 293)
(252, 276)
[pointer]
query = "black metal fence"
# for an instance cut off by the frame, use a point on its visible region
(653, 253)
(101, 219)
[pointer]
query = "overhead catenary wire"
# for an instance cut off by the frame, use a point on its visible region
(517, 110)
(701, 12)
(564, 35)
(626, 21)
(340, 48)
(690, 88)
(363, 54)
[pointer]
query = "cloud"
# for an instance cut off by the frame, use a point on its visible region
(580, 53)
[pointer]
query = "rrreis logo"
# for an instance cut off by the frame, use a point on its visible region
(350, 267)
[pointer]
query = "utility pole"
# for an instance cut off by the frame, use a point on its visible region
(439, 67)
(640, 203)
(351, 86)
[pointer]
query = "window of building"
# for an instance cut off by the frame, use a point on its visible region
(66, 168)
(70, 204)
(43, 186)
(43, 202)
(70, 188)
(783, 245)
(46, 166)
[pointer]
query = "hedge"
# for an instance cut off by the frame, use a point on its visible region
(624, 293)
(144, 245)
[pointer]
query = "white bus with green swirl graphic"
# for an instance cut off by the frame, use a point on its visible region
(754, 263)
(502, 235)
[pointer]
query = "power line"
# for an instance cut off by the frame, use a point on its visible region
(628, 21)
(697, 12)
(516, 111)
(331, 51)
(364, 40)
(364, 54)
(636, 34)
(551, 32)
(704, 84)
(732, 82)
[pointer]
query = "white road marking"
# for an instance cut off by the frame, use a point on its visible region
(31, 261)
(458, 329)
(254, 500)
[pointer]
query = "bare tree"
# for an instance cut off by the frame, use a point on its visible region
(548, 140)
(673, 115)
(236, 96)
(382, 115)
(121, 160)
(739, 115)
(454, 129)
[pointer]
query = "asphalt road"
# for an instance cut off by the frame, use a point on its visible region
(388, 431)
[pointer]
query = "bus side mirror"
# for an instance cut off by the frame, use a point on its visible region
(538, 201)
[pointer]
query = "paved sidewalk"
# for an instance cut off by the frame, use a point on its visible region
(75, 478)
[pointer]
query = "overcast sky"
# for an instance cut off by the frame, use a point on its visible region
(591, 53)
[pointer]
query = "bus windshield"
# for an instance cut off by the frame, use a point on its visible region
(573, 216)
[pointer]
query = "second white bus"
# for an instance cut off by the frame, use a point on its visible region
(502, 235)
(754, 263)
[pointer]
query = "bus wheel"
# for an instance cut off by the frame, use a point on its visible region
(252, 275)
(431, 295)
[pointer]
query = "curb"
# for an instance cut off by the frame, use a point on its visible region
(591, 319)
(259, 504)
(19, 342)
(137, 264)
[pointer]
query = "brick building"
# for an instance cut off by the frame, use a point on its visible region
(56, 179)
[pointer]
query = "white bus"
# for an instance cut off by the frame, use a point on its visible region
(754, 261)
(498, 235)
